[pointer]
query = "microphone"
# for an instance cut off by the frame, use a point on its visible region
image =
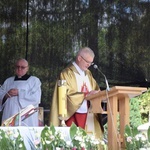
(107, 85)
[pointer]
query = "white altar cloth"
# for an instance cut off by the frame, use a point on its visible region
(29, 134)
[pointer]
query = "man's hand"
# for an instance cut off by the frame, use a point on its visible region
(92, 92)
(13, 92)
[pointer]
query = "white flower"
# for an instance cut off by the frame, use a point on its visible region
(96, 142)
(57, 148)
(140, 137)
(129, 139)
(47, 142)
(82, 144)
(52, 137)
(78, 138)
(20, 146)
(16, 134)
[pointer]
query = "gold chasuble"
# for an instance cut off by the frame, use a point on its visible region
(74, 98)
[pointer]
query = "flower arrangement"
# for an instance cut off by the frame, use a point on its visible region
(11, 140)
(53, 139)
(136, 140)
(80, 140)
(50, 139)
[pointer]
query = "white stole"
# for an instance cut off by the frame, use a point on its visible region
(83, 79)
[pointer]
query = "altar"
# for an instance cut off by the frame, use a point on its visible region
(31, 135)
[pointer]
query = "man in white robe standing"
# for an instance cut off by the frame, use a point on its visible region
(20, 91)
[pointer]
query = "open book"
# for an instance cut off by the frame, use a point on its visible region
(16, 119)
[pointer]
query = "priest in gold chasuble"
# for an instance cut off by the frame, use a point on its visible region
(79, 83)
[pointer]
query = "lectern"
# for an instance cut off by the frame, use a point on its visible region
(117, 105)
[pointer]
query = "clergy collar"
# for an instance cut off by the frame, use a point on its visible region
(25, 77)
(81, 72)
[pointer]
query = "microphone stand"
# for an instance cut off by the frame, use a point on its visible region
(106, 81)
(104, 104)
(108, 89)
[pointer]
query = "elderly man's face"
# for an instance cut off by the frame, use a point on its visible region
(21, 68)
(85, 61)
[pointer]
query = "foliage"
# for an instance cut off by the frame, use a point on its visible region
(50, 139)
(117, 31)
(81, 140)
(136, 140)
(144, 102)
(139, 109)
(135, 116)
(11, 140)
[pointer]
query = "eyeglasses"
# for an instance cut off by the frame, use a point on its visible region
(21, 67)
(91, 63)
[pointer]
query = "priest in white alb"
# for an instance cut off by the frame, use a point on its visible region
(20, 91)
